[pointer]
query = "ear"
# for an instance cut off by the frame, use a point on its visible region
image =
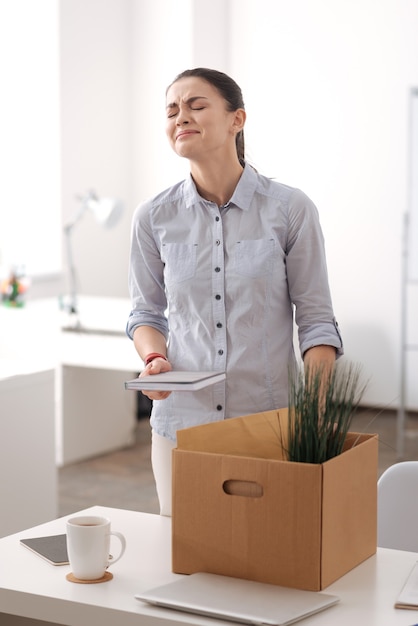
(239, 120)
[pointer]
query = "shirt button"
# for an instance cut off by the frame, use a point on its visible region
(217, 269)
(220, 352)
(219, 325)
(218, 242)
(217, 218)
(219, 407)
(217, 297)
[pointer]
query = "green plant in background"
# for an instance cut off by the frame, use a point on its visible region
(322, 403)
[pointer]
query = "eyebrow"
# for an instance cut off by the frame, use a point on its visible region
(172, 105)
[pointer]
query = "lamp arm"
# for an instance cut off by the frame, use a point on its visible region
(72, 305)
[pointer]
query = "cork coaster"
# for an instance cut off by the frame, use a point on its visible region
(107, 576)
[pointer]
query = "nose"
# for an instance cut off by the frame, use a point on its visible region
(182, 116)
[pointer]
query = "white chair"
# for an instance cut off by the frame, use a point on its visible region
(397, 507)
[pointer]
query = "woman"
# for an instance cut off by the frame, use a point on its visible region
(217, 264)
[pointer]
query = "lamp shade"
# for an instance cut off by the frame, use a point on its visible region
(107, 211)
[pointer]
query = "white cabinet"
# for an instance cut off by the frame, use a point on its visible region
(98, 415)
(28, 474)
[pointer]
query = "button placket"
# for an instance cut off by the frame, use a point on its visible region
(218, 308)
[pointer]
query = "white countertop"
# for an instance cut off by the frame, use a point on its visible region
(32, 337)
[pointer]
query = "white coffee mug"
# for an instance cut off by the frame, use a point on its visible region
(88, 546)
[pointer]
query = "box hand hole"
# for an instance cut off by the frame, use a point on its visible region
(245, 488)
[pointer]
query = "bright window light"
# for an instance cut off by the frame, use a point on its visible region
(30, 213)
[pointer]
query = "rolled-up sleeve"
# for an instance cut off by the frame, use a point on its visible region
(308, 277)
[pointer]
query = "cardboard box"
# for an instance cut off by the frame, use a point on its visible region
(240, 509)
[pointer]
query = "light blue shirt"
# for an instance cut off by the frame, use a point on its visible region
(229, 279)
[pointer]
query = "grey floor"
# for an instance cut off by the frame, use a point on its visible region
(123, 479)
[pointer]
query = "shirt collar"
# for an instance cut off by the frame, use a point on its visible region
(241, 198)
(245, 189)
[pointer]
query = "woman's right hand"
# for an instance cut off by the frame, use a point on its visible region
(157, 366)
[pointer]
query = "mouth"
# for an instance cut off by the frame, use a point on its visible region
(186, 133)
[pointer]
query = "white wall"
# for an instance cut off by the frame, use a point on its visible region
(29, 137)
(96, 127)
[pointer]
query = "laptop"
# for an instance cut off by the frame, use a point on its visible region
(238, 600)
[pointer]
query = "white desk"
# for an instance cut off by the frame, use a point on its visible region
(94, 413)
(31, 588)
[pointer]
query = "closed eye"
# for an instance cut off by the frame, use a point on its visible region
(173, 114)
(172, 107)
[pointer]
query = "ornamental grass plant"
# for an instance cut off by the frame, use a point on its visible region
(322, 403)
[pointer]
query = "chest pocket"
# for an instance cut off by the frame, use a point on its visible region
(254, 258)
(180, 261)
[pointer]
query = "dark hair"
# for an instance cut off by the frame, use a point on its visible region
(229, 90)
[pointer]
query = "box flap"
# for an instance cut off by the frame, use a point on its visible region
(259, 435)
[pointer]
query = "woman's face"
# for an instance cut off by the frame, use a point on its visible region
(199, 125)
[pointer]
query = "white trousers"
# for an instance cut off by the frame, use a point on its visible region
(161, 449)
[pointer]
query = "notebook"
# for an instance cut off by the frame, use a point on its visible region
(53, 549)
(238, 600)
(175, 381)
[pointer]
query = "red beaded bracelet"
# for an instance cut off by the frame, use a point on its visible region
(154, 355)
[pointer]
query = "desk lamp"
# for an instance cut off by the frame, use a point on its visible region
(107, 212)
